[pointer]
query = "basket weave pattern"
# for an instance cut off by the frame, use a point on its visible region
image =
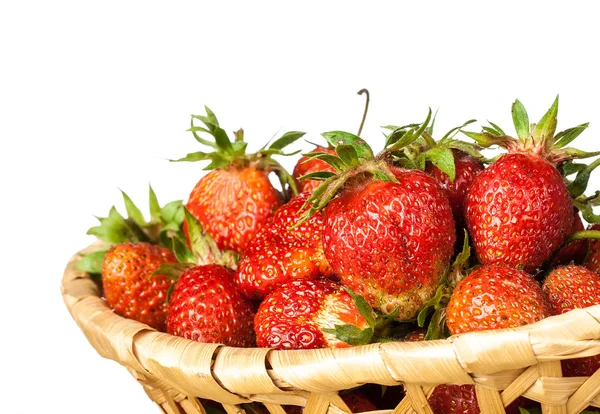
(502, 365)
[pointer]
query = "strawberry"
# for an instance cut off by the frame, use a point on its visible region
(236, 198)
(278, 254)
(205, 306)
(462, 399)
(490, 297)
(592, 260)
(519, 210)
(306, 165)
(568, 288)
(378, 226)
(303, 314)
(575, 251)
(164, 225)
(495, 297)
(453, 163)
(129, 287)
(467, 167)
(415, 336)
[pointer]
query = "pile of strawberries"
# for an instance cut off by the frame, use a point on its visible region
(356, 247)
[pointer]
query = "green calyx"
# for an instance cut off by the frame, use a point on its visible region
(414, 150)
(433, 313)
(164, 225)
(355, 161)
(379, 325)
(203, 251)
(537, 138)
(227, 152)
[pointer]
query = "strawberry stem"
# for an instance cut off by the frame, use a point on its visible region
(362, 122)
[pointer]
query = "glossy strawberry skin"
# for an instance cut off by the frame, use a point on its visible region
(574, 252)
(294, 315)
(307, 165)
(592, 260)
(205, 306)
(462, 399)
(490, 297)
(518, 211)
(390, 242)
(129, 288)
(495, 297)
(232, 204)
(568, 288)
(467, 168)
(278, 254)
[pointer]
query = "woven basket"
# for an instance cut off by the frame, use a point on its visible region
(503, 365)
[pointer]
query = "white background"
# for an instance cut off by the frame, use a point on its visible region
(96, 96)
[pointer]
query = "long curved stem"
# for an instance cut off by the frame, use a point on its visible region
(362, 122)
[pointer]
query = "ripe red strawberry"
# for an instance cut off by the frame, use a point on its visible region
(462, 399)
(490, 297)
(306, 165)
(592, 260)
(568, 288)
(380, 223)
(519, 210)
(299, 314)
(467, 168)
(495, 297)
(415, 336)
(379, 239)
(205, 306)
(129, 288)
(575, 251)
(232, 204)
(279, 254)
(235, 200)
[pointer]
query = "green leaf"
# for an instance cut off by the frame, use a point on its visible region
(182, 252)
(443, 159)
(133, 212)
(223, 141)
(570, 168)
(434, 303)
(318, 176)
(286, 139)
(211, 117)
(486, 139)
(336, 162)
(154, 206)
(112, 229)
(92, 263)
(348, 154)
(173, 212)
(351, 334)
(463, 257)
(193, 157)
(437, 326)
(363, 307)
(455, 130)
(336, 138)
(520, 119)
(496, 129)
(547, 125)
(239, 147)
(195, 129)
(565, 137)
(578, 186)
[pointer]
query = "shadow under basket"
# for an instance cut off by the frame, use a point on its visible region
(180, 375)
